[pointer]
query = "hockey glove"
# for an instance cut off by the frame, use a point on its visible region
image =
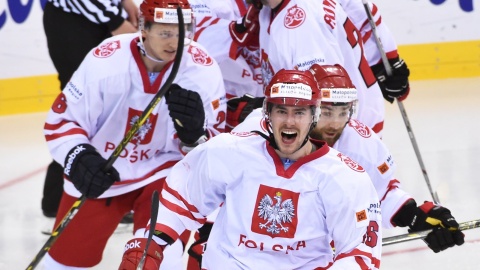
(428, 216)
(396, 85)
(84, 167)
(198, 247)
(245, 32)
(187, 113)
(134, 251)
(239, 108)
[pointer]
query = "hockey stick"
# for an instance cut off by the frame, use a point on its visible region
(403, 112)
(422, 234)
(153, 221)
(116, 153)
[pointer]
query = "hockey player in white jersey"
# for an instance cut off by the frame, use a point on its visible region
(300, 33)
(106, 95)
(285, 198)
(353, 138)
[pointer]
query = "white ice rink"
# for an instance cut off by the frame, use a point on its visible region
(444, 114)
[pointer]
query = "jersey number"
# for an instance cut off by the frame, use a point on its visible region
(60, 104)
(371, 237)
(353, 36)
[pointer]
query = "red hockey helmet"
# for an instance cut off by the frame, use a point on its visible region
(165, 11)
(294, 88)
(334, 83)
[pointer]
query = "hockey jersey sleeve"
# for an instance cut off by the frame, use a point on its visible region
(353, 218)
(189, 193)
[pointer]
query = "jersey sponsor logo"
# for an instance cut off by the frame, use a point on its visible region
(361, 215)
(144, 133)
(199, 56)
(74, 93)
(383, 168)
(360, 128)
(261, 246)
(107, 49)
(275, 214)
(350, 163)
(307, 64)
(71, 158)
(295, 17)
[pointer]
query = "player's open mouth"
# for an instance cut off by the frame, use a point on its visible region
(288, 136)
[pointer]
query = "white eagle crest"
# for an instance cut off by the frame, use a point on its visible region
(275, 214)
(142, 131)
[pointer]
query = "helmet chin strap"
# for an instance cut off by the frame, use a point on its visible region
(144, 51)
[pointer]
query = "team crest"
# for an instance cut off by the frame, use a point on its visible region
(295, 17)
(144, 133)
(276, 212)
(350, 163)
(107, 49)
(199, 56)
(360, 128)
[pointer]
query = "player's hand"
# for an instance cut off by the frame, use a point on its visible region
(187, 113)
(445, 232)
(245, 33)
(198, 247)
(84, 167)
(238, 108)
(396, 85)
(133, 253)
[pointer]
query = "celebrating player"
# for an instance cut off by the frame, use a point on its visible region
(353, 138)
(285, 198)
(106, 95)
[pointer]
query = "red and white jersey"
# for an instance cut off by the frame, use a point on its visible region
(240, 66)
(357, 13)
(364, 146)
(304, 32)
(271, 215)
(109, 92)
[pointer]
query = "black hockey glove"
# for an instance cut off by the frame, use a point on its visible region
(428, 216)
(239, 108)
(397, 85)
(198, 247)
(84, 167)
(187, 113)
(245, 33)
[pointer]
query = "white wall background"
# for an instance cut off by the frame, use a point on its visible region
(23, 50)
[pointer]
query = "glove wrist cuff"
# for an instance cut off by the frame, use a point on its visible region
(185, 148)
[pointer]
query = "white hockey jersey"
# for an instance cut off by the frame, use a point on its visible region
(240, 66)
(304, 32)
(272, 218)
(109, 92)
(357, 13)
(365, 147)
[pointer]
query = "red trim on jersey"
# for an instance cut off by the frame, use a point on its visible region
(203, 21)
(162, 167)
(178, 209)
(275, 11)
(393, 184)
(322, 149)
(201, 28)
(241, 7)
(148, 88)
(73, 131)
(378, 127)
(357, 253)
(48, 126)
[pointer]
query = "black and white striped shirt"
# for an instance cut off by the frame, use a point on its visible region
(96, 11)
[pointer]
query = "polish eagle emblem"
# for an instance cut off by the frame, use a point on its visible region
(275, 214)
(142, 131)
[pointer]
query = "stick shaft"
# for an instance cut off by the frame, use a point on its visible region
(153, 221)
(422, 234)
(403, 112)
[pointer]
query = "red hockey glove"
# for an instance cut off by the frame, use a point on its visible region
(245, 33)
(396, 85)
(428, 216)
(134, 251)
(84, 167)
(239, 108)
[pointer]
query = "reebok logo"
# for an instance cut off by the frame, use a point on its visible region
(134, 244)
(72, 157)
